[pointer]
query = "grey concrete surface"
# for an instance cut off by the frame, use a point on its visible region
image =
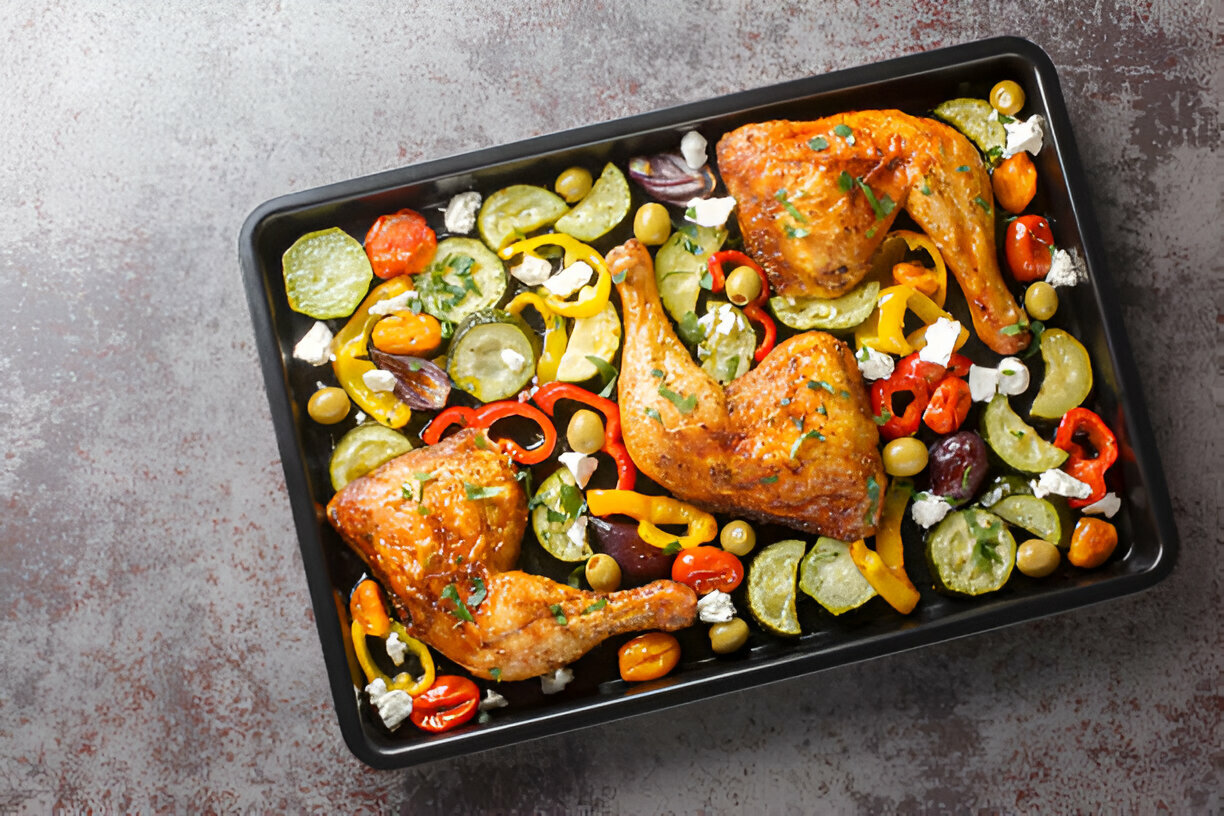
(159, 649)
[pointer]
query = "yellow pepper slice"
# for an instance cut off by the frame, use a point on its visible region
(591, 299)
(885, 329)
(654, 510)
(888, 543)
(899, 593)
(351, 345)
(402, 681)
(929, 313)
(937, 277)
(554, 334)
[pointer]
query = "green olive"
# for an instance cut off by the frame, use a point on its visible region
(573, 184)
(585, 432)
(1041, 301)
(1007, 97)
(728, 637)
(327, 406)
(652, 224)
(737, 538)
(743, 285)
(906, 456)
(603, 573)
(1037, 558)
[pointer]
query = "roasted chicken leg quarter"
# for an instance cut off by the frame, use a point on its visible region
(439, 522)
(791, 441)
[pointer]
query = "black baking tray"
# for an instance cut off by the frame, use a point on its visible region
(1148, 539)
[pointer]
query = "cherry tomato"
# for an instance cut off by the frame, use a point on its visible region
(1029, 247)
(949, 406)
(366, 605)
(400, 244)
(448, 703)
(648, 657)
(706, 569)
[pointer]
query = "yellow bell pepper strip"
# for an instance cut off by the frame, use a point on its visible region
(885, 329)
(932, 282)
(888, 535)
(929, 313)
(591, 299)
(554, 334)
(654, 510)
(899, 593)
(351, 351)
(402, 681)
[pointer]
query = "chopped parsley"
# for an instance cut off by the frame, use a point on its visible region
(845, 182)
(994, 153)
(656, 372)
(964, 168)
(731, 367)
(481, 592)
(691, 213)
(873, 499)
(476, 492)
(926, 188)
(571, 500)
(871, 232)
(422, 510)
(417, 491)
(706, 281)
(813, 434)
(595, 607)
(785, 401)
(607, 373)
(555, 609)
(818, 143)
(653, 414)
(882, 206)
(883, 418)
(768, 479)
(672, 548)
(1018, 434)
(982, 203)
(575, 576)
(793, 232)
(619, 277)
(495, 673)
(820, 409)
(1005, 119)
(818, 384)
(451, 593)
(691, 246)
(797, 421)
(843, 130)
(780, 196)
(684, 404)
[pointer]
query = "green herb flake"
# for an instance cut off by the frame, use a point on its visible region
(883, 418)
(871, 232)
(690, 329)
(731, 367)
(873, 499)
(607, 373)
(706, 281)
(672, 548)
(820, 409)
(595, 607)
(1018, 434)
(818, 143)
(797, 422)
(422, 510)
(476, 492)
(784, 401)
(571, 502)
(843, 130)
(481, 443)
(619, 277)
(881, 206)
(653, 414)
(1005, 119)
(656, 372)
(451, 593)
(994, 154)
(964, 168)
(555, 609)
(768, 479)
(495, 673)
(691, 246)
(691, 213)
(780, 196)
(844, 394)
(965, 477)
(845, 182)
(813, 434)
(818, 384)
(926, 188)
(684, 404)
(575, 576)
(792, 232)
(982, 203)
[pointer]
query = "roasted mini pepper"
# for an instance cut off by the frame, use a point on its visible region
(351, 349)
(932, 282)
(402, 681)
(484, 417)
(449, 703)
(554, 333)
(1091, 471)
(949, 405)
(883, 392)
(754, 311)
(546, 397)
(591, 299)
(367, 608)
(898, 591)
(654, 510)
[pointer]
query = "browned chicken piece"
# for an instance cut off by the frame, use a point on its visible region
(807, 215)
(792, 441)
(446, 519)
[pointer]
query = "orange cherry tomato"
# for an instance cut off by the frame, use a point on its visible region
(1093, 541)
(405, 333)
(367, 608)
(949, 405)
(1029, 247)
(1015, 182)
(448, 703)
(400, 244)
(648, 657)
(706, 569)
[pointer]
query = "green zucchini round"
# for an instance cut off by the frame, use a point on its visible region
(492, 355)
(971, 553)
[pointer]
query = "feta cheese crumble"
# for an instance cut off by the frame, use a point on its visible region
(513, 360)
(1060, 483)
(710, 212)
(492, 700)
(719, 320)
(577, 532)
(557, 681)
(393, 706)
(580, 465)
(941, 339)
(1023, 136)
(693, 148)
(460, 217)
(1065, 270)
(1107, 506)
(570, 279)
(1013, 376)
(983, 382)
(928, 510)
(874, 365)
(532, 270)
(396, 648)
(378, 380)
(398, 303)
(715, 608)
(315, 345)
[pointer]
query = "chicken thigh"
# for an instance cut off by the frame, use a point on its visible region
(440, 523)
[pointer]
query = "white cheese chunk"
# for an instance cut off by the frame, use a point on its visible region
(928, 510)
(513, 360)
(577, 532)
(359, 417)
(983, 382)
(719, 320)
(398, 303)
(557, 681)
(1013, 376)
(315, 345)
(396, 648)
(874, 365)
(492, 700)
(393, 706)
(378, 380)
(1107, 506)
(715, 608)
(710, 212)
(941, 339)
(693, 148)
(532, 270)
(1066, 269)
(581, 465)
(1022, 136)
(460, 217)
(570, 279)
(1060, 483)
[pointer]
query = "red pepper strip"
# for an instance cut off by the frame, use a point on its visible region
(484, 417)
(546, 397)
(934, 373)
(755, 310)
(449, 702)
(882, 395)
(949, 405)
(1091, 471)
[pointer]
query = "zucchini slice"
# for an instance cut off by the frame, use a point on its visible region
(326, 273)
(1003, 486)
(728, 342)
(1016, 442)
(829, 314)
(464, 278)
(771, 586)
(1041, 517)
(513, 212)
(829, 575)
(971, 553)
(1068, 375)
(555, 509)
(680, 265)
(362, 449)
(972, 118)
(492, 355)
(598, 213)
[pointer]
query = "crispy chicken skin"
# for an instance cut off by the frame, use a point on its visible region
(733, 452)
(911, 160)
(417, 555)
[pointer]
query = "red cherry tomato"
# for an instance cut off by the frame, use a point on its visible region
(448, 703)
(949, 406)
(400, 244)
(1029, 246)
(706, 569)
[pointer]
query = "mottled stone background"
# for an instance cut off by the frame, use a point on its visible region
(159, 652)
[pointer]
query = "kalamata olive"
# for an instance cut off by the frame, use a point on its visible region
(640, 563)
(573, 184)
(958, 466)
(737, 537)
(603, 573)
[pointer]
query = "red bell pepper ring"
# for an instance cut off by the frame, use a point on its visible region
(548, 394)
(883, 392)
(484, 417)
(933, 373)
(1090, 470)
(450, 702)
(755, 310)
(949, 405)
